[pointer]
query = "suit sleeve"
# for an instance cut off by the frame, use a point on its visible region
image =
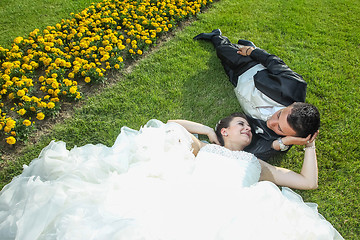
(278, 81)
(262, 149)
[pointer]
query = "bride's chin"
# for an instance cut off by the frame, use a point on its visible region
(247, 137)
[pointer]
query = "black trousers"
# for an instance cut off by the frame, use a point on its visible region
(234, 64)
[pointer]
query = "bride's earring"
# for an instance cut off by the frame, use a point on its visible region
(225, 134)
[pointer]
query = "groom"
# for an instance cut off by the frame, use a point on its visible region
(270, 94)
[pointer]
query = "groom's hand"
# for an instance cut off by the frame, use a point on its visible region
(290, 140)
(245, 51)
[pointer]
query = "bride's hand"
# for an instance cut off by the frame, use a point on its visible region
(290, 140)
(212, 137)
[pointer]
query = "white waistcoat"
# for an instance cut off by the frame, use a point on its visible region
(253, 102)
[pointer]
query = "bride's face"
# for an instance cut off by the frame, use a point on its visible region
(239, 130)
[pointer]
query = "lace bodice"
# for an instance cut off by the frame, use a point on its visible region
(223, 166)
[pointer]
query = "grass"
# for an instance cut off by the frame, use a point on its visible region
(19, 18)
(184, 79)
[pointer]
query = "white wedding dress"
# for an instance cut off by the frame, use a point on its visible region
(150, 186)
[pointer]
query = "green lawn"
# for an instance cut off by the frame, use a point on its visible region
(20, 17)
(183, 78)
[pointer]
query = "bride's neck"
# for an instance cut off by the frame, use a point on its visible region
(234, 147)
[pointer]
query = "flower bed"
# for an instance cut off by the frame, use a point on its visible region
(43, 70)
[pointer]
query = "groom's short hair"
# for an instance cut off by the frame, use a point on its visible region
(304, 119)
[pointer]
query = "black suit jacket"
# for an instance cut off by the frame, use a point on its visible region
(278, 81)
(281, 84)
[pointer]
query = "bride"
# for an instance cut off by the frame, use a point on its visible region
(162, 183)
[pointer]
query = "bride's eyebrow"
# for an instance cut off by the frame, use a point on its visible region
(243, 122)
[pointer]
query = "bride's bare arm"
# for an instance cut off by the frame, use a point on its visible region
(198, 128)
(192, 127)
(196, 145)
(306, 179)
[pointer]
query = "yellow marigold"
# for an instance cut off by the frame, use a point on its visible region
(27, 122)
(105, 42)
(49, 80)
(55, 85)
(76, 69)
(50, 105)
(18, 40)
(87, 79)
(10, 140)
(20, 93)
(13, 133)
(7, 129)
(10, 123)
(131, 51)
(33, 109)
(108, 48)
(19, 83)
(117, 66)
(40, 116)
(6, 77)
(21, 111)
(26, 98)
(139, 52)
(11, 96)
(67, 82)
(8, 83)
(73, 89)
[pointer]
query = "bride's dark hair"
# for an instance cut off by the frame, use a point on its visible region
(224, 123)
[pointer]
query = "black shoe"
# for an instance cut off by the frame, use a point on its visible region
(207, 36)
(246, 43)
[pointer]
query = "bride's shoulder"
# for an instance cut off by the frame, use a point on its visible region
(220, 150)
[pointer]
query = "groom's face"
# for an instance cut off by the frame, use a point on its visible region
(279, 124)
